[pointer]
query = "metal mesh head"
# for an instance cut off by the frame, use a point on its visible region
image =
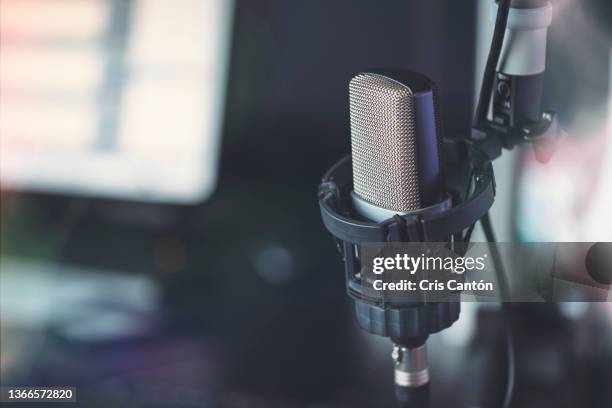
(383, 143)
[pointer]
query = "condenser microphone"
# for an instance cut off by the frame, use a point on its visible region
(397, 170)
(395, 144)
(392, 189)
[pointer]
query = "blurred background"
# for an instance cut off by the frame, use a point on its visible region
(160, 233)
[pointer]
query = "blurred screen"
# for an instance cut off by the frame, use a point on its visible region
(113, 98)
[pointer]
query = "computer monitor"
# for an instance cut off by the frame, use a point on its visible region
(118, 99)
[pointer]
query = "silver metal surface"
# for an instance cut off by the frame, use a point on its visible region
(524, 48)
(378, 214)
(383, 143)
(411, 366)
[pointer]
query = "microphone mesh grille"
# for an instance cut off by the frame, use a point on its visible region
(383, 143)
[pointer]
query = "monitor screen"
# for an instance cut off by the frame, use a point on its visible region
(113, 98)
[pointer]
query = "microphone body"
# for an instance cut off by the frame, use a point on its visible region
(397, 170)
(392, 189)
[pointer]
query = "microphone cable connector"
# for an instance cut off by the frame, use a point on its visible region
(411, 367)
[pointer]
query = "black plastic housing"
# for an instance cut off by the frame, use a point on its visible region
(441, 222)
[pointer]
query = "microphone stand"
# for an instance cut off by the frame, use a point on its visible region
(501, 132)
(516, 118)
